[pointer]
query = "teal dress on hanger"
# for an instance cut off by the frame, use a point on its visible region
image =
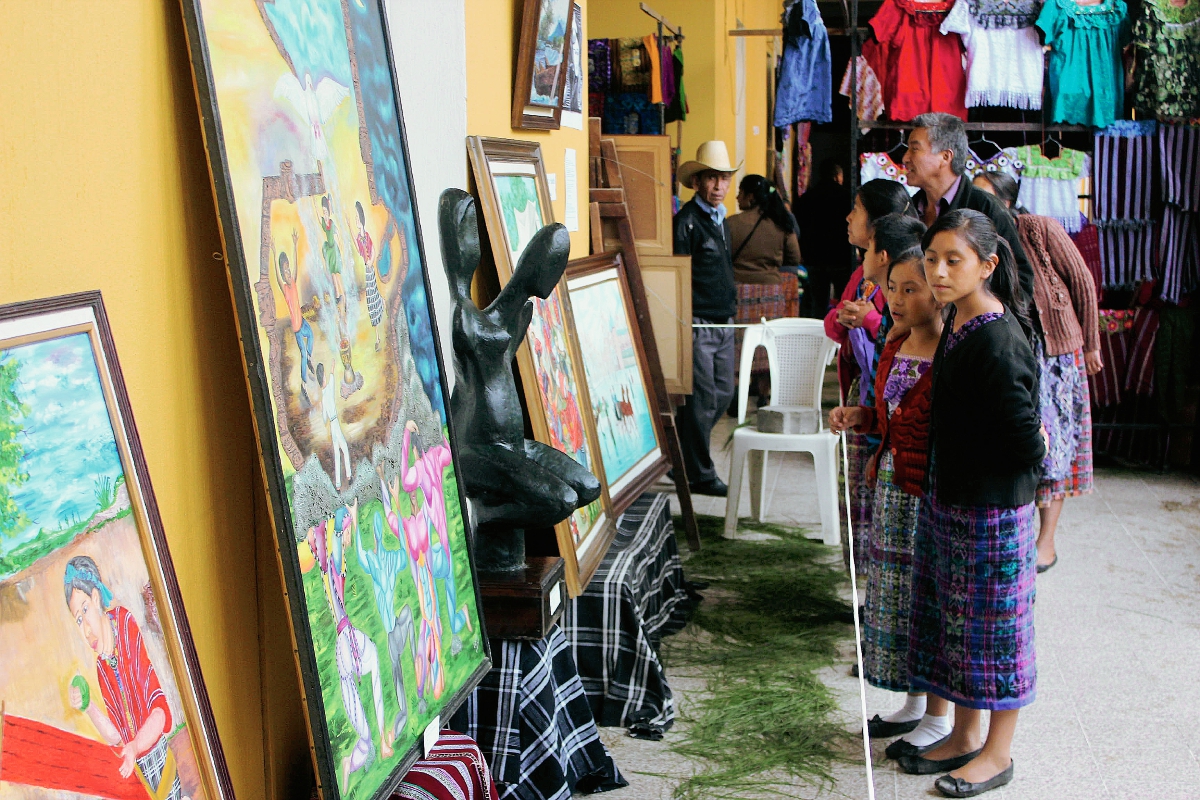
(1087, 79)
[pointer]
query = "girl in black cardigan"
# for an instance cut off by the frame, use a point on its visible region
(975, 552)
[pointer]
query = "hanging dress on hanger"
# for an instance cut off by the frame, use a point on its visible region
(920, 67)
(1122, 192)
(1050, 186)
(1167, 80)
(1087, 78)
(805, 74)
(1004, 53)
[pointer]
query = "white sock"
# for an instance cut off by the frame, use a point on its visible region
(931, 729)
(913, 708)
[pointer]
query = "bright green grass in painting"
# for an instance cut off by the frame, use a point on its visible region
(360, 607)
(767, 724)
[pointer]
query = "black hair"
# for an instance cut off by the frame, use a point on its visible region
(881, 197)
(767, 201)
(913, 254)
(321, 375)
(82, 574)
(325, 202)
(981, 235)
(361, 216)
(897, 233)
(1005, 187)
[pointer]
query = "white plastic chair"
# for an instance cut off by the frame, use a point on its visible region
(798, 352)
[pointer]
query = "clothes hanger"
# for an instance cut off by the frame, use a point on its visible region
(898, 144)
(1050, 139)
(983, 139)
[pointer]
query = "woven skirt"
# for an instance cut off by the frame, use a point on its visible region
(887, 616)
(859, 450)
(758, 301)
(971, 634)
(1066, 408)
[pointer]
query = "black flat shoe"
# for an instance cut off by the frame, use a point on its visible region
(919, 765)
(714, 487)
(880, 728)
(1043, 567)
(900, 747)
(854, 670)
(957, 787)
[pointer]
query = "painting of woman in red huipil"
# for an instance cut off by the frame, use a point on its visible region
(136, 718)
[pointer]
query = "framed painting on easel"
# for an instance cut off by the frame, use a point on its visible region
(515, 200)
(309, 162)
(628, 425)
(100, 691)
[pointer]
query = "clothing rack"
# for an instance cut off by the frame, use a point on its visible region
(677, 33)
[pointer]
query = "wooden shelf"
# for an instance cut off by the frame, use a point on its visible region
(988, 127)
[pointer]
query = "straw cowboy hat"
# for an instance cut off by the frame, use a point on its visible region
(710, 155)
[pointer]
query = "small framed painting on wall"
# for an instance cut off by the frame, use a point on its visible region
(541, 69)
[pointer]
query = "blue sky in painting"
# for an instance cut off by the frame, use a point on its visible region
(67, 437)
(314, 35)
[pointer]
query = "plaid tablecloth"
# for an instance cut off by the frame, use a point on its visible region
(455, 769)
(636, 597)
(532, 721)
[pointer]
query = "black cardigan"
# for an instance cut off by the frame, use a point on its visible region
(985, 430)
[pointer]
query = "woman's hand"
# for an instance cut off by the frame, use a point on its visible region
(128, 760)
(845, 417)
(1092, 362)
(852, 314)
(75, 697)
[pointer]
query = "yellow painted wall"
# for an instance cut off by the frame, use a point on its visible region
(104, 185)
(710, 66)
(492, 37)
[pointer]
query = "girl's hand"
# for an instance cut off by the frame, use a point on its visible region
(852, 314)
(845, 417)
(128, 760)
(1092, 362)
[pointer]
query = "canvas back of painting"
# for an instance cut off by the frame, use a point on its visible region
(100, 692)
(307, 150)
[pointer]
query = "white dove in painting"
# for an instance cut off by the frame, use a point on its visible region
(316, 105)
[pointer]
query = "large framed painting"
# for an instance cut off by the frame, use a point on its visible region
(307, 152)
(100, 689)
(628, 426)
(540, 77)
(515, 200)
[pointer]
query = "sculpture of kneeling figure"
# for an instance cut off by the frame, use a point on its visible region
(514, 483)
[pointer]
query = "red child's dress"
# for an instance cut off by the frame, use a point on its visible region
(920, 68)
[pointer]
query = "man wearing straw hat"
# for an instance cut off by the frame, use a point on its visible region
(701, 232)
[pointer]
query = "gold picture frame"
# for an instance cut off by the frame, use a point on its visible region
(514, 198)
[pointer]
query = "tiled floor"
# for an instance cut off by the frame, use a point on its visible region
(1118, 642)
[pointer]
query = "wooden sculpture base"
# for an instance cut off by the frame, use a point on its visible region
(524, 604)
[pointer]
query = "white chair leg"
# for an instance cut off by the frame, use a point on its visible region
(768, 490)
(737, 463)
(825, 462)
(758, 469)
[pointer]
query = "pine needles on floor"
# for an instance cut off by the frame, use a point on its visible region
(766, 724)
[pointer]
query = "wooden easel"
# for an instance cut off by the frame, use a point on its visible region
(607, 197)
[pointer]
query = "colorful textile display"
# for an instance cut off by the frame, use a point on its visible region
(631, 66)
(1087, 241)
(920, 68)
(1179, 249)
(630, 112)
(1167, 80)
(454, 769)
(1179, 165)
(881, 165)
(1050, 187)
(1127, 349)
(1004, 57)
(1123, 176)
(1005, 161)
(805, 81)
(599, 66)
(869, 100)
(1087, 79)
(677, 108)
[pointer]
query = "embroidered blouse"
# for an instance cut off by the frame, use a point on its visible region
(905, 372)
(870, 93)
(1087, 79)
(1050, 186)
(1004, 62)
(1167, 82)
(880, 165)
(1005, 161)
(920, 67)
(974, 323)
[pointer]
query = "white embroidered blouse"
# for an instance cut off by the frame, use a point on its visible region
(1004, 64)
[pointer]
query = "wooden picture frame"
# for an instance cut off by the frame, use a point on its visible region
(514, 199)
(625, 407)
(668, 282)
(645, 162)
(80, 515)
(540, 73)
(347, 383)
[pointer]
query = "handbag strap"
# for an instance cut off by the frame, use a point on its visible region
(749, 236)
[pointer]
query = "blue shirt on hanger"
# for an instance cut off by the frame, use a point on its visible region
(805, 91)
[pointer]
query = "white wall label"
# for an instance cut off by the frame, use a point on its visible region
(555, 597)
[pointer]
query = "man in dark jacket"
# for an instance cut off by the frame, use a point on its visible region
(936, 160)
(701, 232)
(824, 246)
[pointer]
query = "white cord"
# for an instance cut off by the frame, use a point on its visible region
(862, 683)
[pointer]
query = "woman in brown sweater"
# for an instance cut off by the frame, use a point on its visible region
(763, 242)
(1065, 295)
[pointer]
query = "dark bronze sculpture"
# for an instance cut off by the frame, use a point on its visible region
(515, 483)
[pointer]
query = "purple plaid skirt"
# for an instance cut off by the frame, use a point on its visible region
(971, 638)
